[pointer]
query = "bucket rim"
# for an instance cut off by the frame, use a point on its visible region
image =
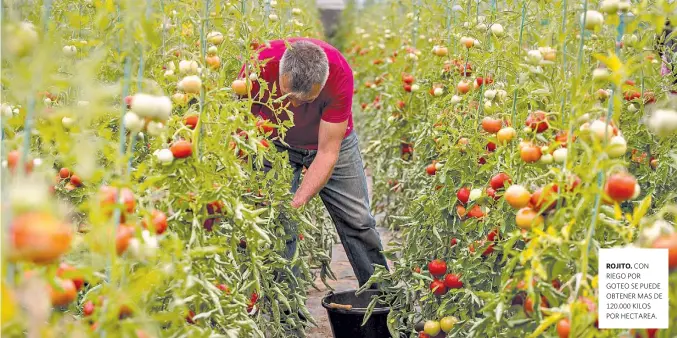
(355, 310)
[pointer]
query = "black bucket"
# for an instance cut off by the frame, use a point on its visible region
(346, 312)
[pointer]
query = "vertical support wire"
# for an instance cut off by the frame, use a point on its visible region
(203, 56)
(122, 134)
(453, 24)
(578, 72)
(447, 11)
(162, 10)
(582, 44)
(480, 106)
(519, 49)
(564, 95)
(47, 10)
(266, 11)
(417, 16)
(564, 56)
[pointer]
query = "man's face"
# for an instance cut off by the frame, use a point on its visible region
(296, 99)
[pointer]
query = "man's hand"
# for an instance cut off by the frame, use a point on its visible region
(330, 137)
(296, 204)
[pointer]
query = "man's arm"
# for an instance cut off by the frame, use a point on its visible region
(329, 144)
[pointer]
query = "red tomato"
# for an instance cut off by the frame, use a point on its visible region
(76, 181)
(481, 80)
(573, 182)
(264, 126)
(159, 221)
(488, 251)
(109, 197)
(649, 98)
(545, 196)
(563, 328)
(437, 267)
(438, 288)
(668, 242)
(181, 149)
(88, 308)
(77, 279)
(13, 158)
(122, 238)
(562, 138)
(64, 173)
(252, 301)
(406, 148)
(64, 295)
(631, 94)
(128, 101)
(453, 241)
(430, 169)
(463, 87)
(400, 104)
(498, 181)
(463, 195)
(423, 335)
(224, 288)
(38, 237)
(189, 317)
(537, 121)
(491, 147)
(476, 212)
(556, 284)
(620, 186)
(407, 88)
(460, 210)
(493, 235)
(492, 193)
(453, 281)
(408, 79)
(191, 120)
(530, 153)
(491, 125)
(529, 304)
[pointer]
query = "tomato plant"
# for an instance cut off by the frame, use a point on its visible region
(117, 122)
(534, 117)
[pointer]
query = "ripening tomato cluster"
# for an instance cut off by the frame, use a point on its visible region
(442, 281)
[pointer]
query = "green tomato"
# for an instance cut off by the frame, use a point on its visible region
(447, 323)
(432, 327)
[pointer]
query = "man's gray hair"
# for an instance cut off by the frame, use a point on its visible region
(306, 64)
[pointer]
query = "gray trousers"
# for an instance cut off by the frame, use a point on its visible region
(346, 199)
(330, 20)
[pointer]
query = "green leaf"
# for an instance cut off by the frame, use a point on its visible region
(641, 210)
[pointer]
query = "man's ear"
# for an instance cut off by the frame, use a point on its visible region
(284, 80)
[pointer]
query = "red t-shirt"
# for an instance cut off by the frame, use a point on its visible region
(334, 104)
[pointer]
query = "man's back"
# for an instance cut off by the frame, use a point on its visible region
(334, 104)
